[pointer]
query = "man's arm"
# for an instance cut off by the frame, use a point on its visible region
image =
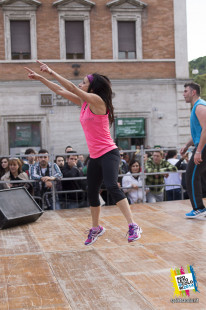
(57, 173)
(184, 149)
(167, 167)
(34, 173)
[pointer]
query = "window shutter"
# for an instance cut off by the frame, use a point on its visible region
(126, 36)
(20, 36)
(74, 37)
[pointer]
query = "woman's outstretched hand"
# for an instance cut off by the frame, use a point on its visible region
(32, 75)
(44, 67)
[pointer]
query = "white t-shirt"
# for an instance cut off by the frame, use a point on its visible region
(174, 177)
(43, 170)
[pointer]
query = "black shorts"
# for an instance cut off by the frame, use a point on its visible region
(104, 168)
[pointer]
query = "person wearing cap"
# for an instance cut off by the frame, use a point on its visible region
(94, 95)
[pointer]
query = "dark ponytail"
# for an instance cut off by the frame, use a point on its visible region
(101, 86)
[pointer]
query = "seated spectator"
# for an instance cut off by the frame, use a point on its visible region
(42, 172)
(173, 192)
(126, 158)
(15, 174)
(123, 169)
(132, 185)
(70, 170)
(80, 162)
(68, 149)
(86, 162)
(59, 160)
(123, 165)
(157, 164)
(137, 154)
(29, 161)
(146, 156)
(4, 166)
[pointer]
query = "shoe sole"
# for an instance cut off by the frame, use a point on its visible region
(95, 239)
(198, 215)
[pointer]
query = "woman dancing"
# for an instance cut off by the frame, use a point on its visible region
(94, 95)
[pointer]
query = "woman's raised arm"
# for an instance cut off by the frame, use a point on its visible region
(91, 98)
(54, 87)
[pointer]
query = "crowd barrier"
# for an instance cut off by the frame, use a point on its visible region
(56, 204)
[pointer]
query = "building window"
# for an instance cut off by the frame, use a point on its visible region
(126, 40)
(74, 33)
(20, 29)
(127, 28)
(74, 28)
(46, 100)
(20, 39)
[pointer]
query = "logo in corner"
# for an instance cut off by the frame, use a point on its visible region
(184, 282)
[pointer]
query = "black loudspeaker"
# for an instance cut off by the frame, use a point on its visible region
(17, 207)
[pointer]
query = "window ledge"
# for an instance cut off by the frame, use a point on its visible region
(87, 61)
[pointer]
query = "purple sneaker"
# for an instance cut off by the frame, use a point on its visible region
(134, 232)
(94, 234)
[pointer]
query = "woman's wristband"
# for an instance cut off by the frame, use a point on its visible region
(198, 152)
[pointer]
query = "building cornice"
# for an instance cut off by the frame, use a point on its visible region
(116, 3)
(86, 61)
(19, 3)
(87, 3)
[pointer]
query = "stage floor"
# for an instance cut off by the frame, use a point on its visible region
(45, 265)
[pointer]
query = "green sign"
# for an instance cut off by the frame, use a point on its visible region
(23, 135)
(129, 127)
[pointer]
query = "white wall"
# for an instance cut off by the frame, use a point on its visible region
(157, 100)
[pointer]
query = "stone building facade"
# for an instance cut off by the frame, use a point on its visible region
(140, 46)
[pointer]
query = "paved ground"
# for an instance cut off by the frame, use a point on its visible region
(45, 265)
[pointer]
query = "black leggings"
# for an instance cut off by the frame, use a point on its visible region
(104, 168)
(193, 180)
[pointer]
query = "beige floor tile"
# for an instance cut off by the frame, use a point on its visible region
(45, 265)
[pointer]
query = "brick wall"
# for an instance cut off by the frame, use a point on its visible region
(157, 35)
(140, 70)
(158, 30)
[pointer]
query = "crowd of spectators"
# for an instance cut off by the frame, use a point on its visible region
(162, 179)
(67, 174)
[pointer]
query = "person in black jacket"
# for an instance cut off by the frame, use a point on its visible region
(70, 170)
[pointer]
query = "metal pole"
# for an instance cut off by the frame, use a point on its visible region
(53, 184)
(142, 175)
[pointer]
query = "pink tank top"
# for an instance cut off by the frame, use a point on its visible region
(96, 130)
